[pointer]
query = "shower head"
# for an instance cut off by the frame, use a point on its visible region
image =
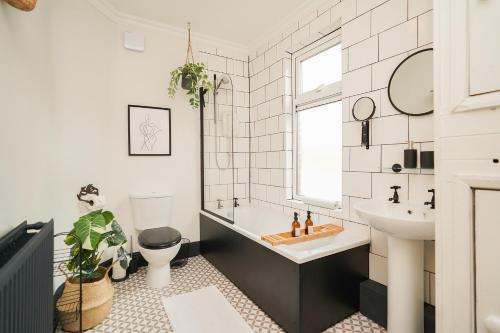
(223, 80)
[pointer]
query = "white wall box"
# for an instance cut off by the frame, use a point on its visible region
(133, 41)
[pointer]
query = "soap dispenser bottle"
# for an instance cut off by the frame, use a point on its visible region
(309, 224)
(410, 161)
(295, 225)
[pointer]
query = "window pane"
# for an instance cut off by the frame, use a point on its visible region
(319, 152)
(322, 68)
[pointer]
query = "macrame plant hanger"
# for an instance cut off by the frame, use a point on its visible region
(189, 53)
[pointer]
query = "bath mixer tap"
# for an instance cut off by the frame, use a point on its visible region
(432, 203)
(235, 202)
(219, 204)
(395, 196)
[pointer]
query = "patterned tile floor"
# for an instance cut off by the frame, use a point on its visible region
(138, 308)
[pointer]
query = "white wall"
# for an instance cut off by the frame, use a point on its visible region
(376, 37)
(82, 125)
(26, 135)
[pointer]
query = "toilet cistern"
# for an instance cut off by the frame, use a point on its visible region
(158, 242)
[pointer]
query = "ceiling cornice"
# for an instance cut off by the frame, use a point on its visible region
(119, 17)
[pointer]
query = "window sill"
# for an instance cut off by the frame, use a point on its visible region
(335, 208)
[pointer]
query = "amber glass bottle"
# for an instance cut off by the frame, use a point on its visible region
(295, 225)
(309, 224)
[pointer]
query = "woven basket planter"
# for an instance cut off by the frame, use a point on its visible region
(97, 301)
(26, 5)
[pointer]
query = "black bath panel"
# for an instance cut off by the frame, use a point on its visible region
(301, 298)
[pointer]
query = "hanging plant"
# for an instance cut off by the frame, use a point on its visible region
(193, 76)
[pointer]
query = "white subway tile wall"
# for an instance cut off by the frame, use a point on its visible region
(227, 155)
(364, 53)
(376, 36)
(389, 14)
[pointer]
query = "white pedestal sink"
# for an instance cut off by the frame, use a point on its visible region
(407, 225)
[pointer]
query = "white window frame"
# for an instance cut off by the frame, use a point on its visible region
(305, 53)
(302, 101)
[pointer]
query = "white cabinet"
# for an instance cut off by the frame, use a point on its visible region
(487, 253)
(467, 57)
(484, 49)
(467, 141)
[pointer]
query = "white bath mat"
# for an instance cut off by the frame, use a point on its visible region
(204, 310)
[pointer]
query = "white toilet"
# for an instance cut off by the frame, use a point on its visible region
(158, 243)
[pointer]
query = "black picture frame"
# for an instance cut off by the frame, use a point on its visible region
(390, 81)
(130, 110)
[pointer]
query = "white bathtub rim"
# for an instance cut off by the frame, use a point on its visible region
(348, 239)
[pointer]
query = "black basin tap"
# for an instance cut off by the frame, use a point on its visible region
(432, 202)
(395, 196)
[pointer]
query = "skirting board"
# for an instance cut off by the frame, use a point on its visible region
(373, 304)
(188, 250)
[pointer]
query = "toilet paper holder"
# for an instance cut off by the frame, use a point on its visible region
(85, 190)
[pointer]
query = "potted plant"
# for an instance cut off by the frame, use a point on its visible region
(97, 232)
(193, 76)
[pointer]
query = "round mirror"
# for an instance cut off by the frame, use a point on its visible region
(411, 86)
(363, 109)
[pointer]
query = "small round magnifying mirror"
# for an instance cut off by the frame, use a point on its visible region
(363, 110)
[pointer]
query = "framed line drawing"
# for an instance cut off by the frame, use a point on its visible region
(149, 131)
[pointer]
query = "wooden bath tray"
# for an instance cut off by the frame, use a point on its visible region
(286, 238)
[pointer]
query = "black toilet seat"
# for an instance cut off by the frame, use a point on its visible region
(159, 238)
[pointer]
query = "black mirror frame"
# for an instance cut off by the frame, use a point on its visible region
(365, 123)
(371, 114)
(390, 81)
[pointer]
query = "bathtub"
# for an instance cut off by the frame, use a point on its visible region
(305, 287)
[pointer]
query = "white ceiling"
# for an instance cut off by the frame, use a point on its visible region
(237, 21)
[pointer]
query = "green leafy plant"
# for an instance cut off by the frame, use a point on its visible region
(193, 77)
(97, 231)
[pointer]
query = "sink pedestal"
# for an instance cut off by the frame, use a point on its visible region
(406, 286)
(407, 225)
